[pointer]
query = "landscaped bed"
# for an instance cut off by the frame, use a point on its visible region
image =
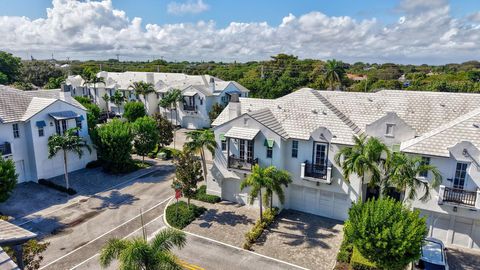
(202, 195)
(179, 214)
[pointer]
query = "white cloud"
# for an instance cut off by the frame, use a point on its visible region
(189, 7)
(89, 29)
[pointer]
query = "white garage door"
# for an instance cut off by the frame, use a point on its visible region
(20, 170)
(319, 202)
(463, 229)
(231, 191)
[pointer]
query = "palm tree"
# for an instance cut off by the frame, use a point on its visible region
(68, 142)
(106, 99)
(363, 158)
(143, 88)
(402, 172)
(137, 253)
(334, 72)
(91, 78)
(274, 182)
(198, 141)
(170, 100)
(117, 99)
(257, 180)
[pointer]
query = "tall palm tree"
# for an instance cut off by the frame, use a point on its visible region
(402, 172)
(68, 142)
(334, 72)
(273, 184)
(139, 254)
(198, 141)
(143, 88)
(117, 99)
(256, 181)
(91, 78)
(363, 158)
(170, 100)
(106, 99)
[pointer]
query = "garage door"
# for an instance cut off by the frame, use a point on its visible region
(20, 170)
(319, 202)
(463, 229)
(231, 192)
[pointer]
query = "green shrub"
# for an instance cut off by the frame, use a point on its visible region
(202, 195)
(69, 191)
(345, 252)
(257, 229)
(133, 110)
(170, 152)
(358, 262)
(186, 214)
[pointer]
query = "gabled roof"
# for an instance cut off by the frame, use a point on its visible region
(266, 118)
(17, 105)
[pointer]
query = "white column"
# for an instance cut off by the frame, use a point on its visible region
(441, 192)
(302, 170)
(477, 199)
(329, 174)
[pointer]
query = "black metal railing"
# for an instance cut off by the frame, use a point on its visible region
(460, 196)
(316, 170)
(241, 163)
(5, 149)
(189, 108)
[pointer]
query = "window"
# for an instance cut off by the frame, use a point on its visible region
(269, 152)
(60, 126)
(460, 175)
(41, 132)
(64, 126)
(16, 132)
(249, 151)
(78, 122)
(425, 161)
(242, 149)
(224, 145)
(294, 149)
(201, 101)
(390, 129)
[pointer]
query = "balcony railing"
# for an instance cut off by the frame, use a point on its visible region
(189, 108)
(5, 149)
(460, 196)
(241, 164)
(318, 172)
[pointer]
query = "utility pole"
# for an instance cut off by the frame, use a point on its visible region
(118, 57)
(100, 67)
(262, 74)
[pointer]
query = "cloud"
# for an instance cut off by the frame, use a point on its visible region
(96, 30)
(189, 7)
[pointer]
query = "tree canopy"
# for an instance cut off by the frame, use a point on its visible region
(8, 178)
(133, 110)
(145, 135)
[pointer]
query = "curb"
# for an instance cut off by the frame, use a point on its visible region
(165, 214)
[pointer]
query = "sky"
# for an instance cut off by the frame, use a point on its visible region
(400, 31)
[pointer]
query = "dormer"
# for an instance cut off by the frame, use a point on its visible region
(391, 129)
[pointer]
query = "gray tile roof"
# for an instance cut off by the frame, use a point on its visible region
(17, 105)
(242, 133)
(10, 233)
(440, 119)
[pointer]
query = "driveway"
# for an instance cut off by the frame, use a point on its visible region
(303, 239)
(463, 259)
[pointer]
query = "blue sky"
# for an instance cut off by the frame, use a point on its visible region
(226, 11)
(405, 31)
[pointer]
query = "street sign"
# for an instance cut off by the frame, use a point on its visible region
(178, 194)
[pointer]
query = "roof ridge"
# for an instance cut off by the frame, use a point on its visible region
(440, 129)
(336, 111)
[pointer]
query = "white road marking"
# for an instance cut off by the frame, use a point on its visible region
(132, 233)
(89, 242)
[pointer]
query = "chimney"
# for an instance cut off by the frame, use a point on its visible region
(150, 78)
(64, 88)
(234, 107)
(212, 84)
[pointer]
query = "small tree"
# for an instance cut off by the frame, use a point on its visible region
(32, 253)
(256, 181)
(134, 110)
(215, 111)
(199, 141)
(93, 112)
(118, 99)
(106, 99)
(188, 173)
(386, 232)
(165, 130)
(276, 180)
(144, 89)
(145, 135)
(114, 144)
(8, 178)
(68, 142)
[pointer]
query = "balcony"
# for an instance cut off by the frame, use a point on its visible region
(190, 108)
(241, 164)
(459, 197)
(319, 173)
(5, 149)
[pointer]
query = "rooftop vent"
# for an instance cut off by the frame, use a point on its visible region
(370, 99)
(314, 111)
(279, 107)
(324, 112)
(476, 125)
(442, 104)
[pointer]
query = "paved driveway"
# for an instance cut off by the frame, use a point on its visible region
(463, 259)
(303, 239)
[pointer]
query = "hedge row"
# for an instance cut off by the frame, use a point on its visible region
(257, 230)
(69, 191)
(202, 195)
(185, 216)
(349, 255)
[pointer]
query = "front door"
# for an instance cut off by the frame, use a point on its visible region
(320, 158)
(460, 175)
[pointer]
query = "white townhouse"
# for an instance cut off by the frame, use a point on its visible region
(199, 93)
(28, 119)
(301, 132)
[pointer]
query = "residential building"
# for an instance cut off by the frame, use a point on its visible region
(303, 131)
(199, 93)
(28, 119)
